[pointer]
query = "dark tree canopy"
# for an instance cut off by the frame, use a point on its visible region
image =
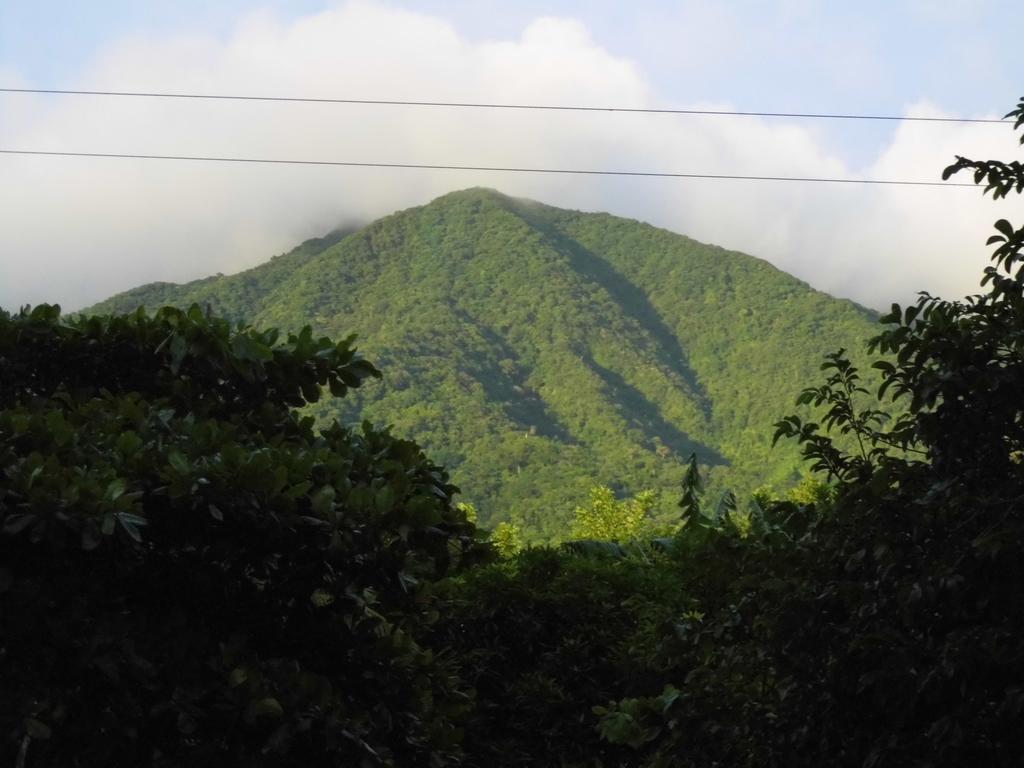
(890, 631)
(189, 575)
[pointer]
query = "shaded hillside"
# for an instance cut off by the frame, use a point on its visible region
(538, 351)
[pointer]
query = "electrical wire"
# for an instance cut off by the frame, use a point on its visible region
(485, 105)
(496, 169)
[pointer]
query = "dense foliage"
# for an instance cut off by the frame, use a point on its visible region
(544, 637)
(609, 519)
(189, 575)
(891, 631)
(538, 353)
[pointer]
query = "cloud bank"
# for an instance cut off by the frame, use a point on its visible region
(77, 230)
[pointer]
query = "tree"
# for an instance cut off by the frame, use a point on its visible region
(930, 514)
(606, 518)
(189, 574)
(955, 367)
(890, 630)
(507, 539)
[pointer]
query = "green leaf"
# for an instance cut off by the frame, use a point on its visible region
(17, 523)
(268, 707)
(179, 462)
(299, 489)
(114, 490)
(37, 729)
(237, 676)
(247, 348)
(130, 524)
(385, 499)
(323, 500)
(178, 350)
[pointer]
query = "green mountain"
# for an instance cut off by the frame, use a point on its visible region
(538, 352)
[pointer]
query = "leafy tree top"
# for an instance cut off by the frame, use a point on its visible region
(189, 569)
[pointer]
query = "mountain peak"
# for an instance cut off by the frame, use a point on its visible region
(490, 196)
(472, 196)
(539, 352)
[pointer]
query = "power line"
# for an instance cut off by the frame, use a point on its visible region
(484, 105)
(498, 169)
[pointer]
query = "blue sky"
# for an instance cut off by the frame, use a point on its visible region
(950, 58)
(866, 57)
(958, 52)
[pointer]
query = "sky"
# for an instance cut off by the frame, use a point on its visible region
(74, 231)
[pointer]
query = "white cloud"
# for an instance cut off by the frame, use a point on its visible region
(78, 230)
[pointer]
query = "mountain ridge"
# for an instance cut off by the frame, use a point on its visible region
(539, 351)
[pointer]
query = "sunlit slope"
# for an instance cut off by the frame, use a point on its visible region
(538, 351)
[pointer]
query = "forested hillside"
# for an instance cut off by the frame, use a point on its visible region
(539, 352)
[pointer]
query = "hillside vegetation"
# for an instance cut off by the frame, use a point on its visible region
(539, 352)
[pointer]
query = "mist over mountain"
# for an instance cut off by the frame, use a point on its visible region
(538, 352)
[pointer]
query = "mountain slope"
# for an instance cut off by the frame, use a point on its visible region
(539, 351)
